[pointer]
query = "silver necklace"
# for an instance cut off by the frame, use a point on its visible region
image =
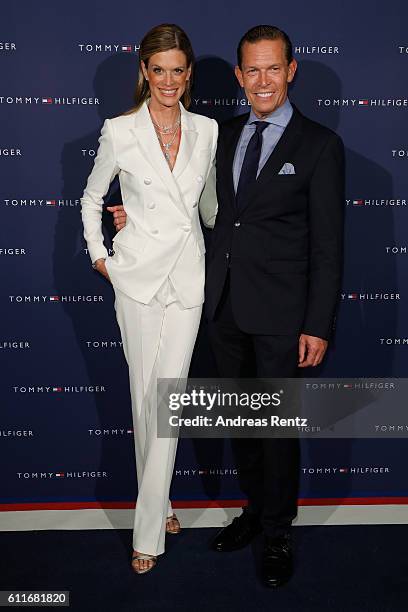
(166, 145)
(165, 129)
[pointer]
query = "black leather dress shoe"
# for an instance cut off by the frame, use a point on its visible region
(277, 564)
(237, 535)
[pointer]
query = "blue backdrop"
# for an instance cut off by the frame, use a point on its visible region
(65, 428)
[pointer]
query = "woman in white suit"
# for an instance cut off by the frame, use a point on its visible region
(163, 155)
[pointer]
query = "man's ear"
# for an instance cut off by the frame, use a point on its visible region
(238, 74)
(292, 70)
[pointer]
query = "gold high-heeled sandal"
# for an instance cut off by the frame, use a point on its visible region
(143, 557)
(172, 530)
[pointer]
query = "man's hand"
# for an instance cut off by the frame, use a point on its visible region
(119, 216)
(101, 268)
(311, 350)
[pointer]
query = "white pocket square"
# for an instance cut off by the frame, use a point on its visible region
(287, 168)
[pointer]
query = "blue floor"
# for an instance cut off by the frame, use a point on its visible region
(361, 568)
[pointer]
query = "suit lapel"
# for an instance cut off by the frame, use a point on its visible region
(189, 136)
(230, 146)
(283, 152)
(148, 142)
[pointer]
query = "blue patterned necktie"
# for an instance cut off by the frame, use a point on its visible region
(250, 164)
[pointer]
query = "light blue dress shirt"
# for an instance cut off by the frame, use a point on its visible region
(278, 120)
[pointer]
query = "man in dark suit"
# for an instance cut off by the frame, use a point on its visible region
(274, 272)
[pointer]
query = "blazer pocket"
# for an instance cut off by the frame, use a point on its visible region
(204, 155)
(286, 266)
(130, 241)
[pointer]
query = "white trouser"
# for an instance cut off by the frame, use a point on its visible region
(158, 341)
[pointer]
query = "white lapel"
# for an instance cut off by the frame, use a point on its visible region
(189, 136)
(147, 139)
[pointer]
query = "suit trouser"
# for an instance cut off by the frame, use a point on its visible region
(268, 468)
(158, 341)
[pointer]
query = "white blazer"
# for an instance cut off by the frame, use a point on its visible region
(162, 237)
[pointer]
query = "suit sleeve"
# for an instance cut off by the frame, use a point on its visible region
(208, 204)
(104, 170)
(326, 219)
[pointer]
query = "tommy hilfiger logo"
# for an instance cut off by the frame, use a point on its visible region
(221, 102)
(102, 344)
(108, 47)
(13, 251)
(399, 152)
(363, 102)
(367, 297)
(7, 46)
(362, 470)
(396, 250)
(41, 203)
(112, 433)
(376, 203)
(14, 344)
(50, 101)
(16, 433)
(60, 474)
(7, 152)
(42, 299)
(207, 472)
(60, 389)
(316, 49)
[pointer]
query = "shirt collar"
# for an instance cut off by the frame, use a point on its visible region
(281, 116)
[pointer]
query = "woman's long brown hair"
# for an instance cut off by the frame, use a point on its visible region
(162, 38)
